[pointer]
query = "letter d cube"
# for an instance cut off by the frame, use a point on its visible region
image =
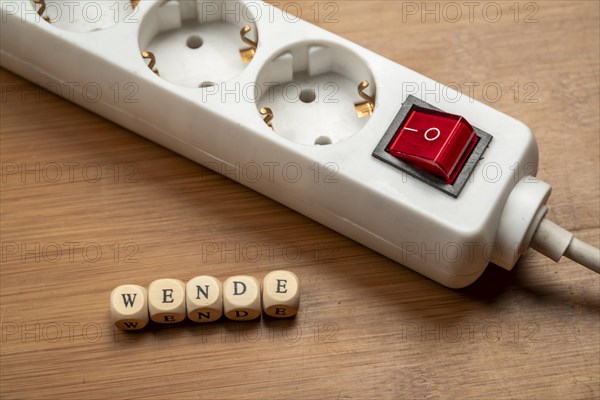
(241, 298)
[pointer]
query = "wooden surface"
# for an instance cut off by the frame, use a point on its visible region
(367, 327)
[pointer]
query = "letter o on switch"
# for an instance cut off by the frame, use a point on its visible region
(241, 298)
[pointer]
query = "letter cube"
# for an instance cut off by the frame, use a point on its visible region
(241, 298)
(129, 307)
(281, 294)
(204, 299)
(166, 301)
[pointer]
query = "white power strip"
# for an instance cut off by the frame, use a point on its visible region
(301, 115)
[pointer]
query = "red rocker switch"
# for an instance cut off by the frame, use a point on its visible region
(434, 141)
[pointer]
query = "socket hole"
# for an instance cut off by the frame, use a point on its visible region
(308, 96)
(309, 72)
(194, 42)
(206, 84)
(323, 140)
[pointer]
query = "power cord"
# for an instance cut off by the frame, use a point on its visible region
(554, 241)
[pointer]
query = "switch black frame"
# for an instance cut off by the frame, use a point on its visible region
(432, 180)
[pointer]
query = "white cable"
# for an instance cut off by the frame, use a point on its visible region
(554, 242)
(584, 254)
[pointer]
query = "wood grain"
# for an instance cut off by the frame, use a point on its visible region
(367, 327)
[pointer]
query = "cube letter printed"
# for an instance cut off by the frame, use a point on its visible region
(129, 307)
(281, 294)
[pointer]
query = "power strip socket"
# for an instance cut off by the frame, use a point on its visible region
(303, 116)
